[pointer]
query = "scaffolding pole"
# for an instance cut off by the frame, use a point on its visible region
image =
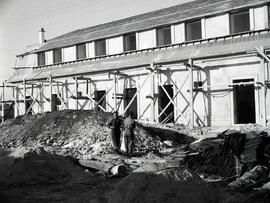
(3, 104)
(191, 103)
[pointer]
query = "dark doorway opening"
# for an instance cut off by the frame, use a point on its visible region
(128, 95)
(100, 98)
(168, 115)
(56, 102)
(28, 102)
(244, 102)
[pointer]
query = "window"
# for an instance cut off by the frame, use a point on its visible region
(41, 58)
(164, 36)
(81, 51)
(193, 30)
(239, 22)
(268, 16)
(130, 42)
(100, 47)
(57, 55)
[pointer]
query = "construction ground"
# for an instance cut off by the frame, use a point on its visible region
(67, 156)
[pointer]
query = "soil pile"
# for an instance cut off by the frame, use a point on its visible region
(171, 185)
(31, 166)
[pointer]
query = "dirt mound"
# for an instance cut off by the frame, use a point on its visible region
(28, 166)
(173, 185)
(67, 132)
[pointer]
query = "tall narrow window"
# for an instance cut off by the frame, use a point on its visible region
(41, 58)
(130, 42)
(57, 55)
(164, 36)
(239, 22)
(193, 30)
(81, 51)
(100, 47)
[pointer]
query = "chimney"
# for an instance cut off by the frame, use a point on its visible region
(41, 36)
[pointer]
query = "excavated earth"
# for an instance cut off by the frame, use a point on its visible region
(39, 162)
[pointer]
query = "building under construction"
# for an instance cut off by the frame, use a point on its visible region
(203, 63)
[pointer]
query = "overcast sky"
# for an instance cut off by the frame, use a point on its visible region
(20, 20)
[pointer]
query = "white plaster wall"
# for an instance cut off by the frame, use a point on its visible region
(27, 61)
(69, 54)
(217, 26)
(115, 45)
(178, 33)
(146, 39)
(261, 18)
(48, 57)
(90, 50)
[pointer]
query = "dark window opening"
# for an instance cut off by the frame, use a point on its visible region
(128, 95)
(81, 51)
(100, 47)
(28, 103)
(57, 55)
(167, 115)
(41, 59)
(130, 42)
(164, 36)
(244, 102)
(239, 22)
(193, 30)
(100, 98)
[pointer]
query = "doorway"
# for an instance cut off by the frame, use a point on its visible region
(244, 101)
(168, 115)
(100, 98)
(128, 95)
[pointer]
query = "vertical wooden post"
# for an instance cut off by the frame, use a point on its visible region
(191, 103)
(90, 94)
(114, 92)
(76, 92)
(66, 92)
(263, 91)
(41, 98)
(51, 90)
(24, 96)
(152, 93)
(3, 102)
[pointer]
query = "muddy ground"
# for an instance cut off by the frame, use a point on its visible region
(39, 162)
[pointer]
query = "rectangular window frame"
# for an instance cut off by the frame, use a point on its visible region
(84, 54)
(97, 51)
(41, 58)
(231, 21)
(129, 47)
(56, 55)
(159, 32)
(186, 30)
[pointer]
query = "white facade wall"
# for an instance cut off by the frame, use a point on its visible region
(49, 57)
(69, 54)
(178, 33)
(27, 61)
(258, 18)
(115, 45)
(216, 26)
(90, 50)
(146, 39)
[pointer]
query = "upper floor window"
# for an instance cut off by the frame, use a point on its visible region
(193, 30)
(239, 22)
(57, 55)
(100, 47)
(81, 51)
(41, 59)
(130, 42)
(164, 36)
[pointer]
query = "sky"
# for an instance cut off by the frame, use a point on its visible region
(20, 21)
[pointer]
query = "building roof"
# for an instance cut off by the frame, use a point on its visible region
(217, 47)
(167, 16)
